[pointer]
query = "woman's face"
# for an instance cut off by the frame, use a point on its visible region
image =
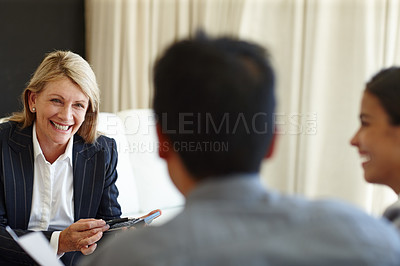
(378, 143)
(60, 111)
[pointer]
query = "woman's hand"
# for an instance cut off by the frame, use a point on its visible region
(144, 216)
(82, 236)
(150, 213)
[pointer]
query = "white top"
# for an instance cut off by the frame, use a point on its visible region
(392, 213)
(52, 197)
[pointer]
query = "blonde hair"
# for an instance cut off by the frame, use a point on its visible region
(57, 65)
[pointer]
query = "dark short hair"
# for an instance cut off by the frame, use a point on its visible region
(385, 85)
(214, 100)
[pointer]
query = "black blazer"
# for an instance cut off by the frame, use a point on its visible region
(95, 193)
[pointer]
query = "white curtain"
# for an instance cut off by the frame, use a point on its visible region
(323, 51)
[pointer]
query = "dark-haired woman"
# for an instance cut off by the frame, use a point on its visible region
(378, 138)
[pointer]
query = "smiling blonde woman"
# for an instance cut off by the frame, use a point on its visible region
(57, 174)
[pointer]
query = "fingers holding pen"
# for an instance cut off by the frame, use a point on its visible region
(82, 236)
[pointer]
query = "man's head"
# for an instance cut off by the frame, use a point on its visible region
(214, 102)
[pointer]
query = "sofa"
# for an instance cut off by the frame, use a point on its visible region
(143, 180)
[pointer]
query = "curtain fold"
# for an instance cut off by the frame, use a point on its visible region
(323, 52)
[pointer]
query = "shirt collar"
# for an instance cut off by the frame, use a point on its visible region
(37, 150)
(233, 187)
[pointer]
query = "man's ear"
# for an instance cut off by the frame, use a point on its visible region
(397, 132)
(164, 146)
(271, 147)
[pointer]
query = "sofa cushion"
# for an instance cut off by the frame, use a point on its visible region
(112, 126)
(155, 189)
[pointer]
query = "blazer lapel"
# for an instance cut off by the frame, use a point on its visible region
(19, 188)
(88, 165)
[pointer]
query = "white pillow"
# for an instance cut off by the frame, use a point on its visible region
(155, 188)
(112, 126)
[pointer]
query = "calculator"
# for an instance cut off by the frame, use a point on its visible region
(119, 223)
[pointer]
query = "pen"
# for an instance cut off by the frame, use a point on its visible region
(118, 220)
